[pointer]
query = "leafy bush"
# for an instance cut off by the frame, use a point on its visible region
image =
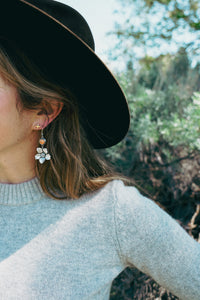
(169, 112)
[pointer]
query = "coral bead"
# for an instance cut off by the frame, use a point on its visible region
(42, 141)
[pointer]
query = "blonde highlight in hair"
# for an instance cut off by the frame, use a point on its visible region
(75, 167)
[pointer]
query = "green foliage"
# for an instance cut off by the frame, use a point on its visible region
(163, 106)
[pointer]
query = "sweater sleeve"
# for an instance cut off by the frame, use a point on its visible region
(155, 243)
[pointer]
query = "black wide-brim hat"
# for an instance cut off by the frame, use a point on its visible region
(59, 42)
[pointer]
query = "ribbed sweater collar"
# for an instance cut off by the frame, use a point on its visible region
(21, 193)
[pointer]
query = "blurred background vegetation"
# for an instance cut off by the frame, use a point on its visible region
(160, 42)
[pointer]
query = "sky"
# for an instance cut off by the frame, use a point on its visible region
(100, 16)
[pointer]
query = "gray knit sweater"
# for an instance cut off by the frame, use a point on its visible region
(73, 249)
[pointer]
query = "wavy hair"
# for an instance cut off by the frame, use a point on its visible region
(75, 167)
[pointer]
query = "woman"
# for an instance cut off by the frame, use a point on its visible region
(56, 107)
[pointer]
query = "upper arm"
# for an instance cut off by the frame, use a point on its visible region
(156, 244)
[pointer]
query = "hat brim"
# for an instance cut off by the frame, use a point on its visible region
(66, 60)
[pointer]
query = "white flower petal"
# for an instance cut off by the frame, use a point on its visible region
(42, 160)
(48, 157)
(39, 150)
(37, 156)
(45, 150)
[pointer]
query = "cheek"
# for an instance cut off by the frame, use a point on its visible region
(8, 111)
(14, 126)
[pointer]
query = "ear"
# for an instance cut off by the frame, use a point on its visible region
(47, 113)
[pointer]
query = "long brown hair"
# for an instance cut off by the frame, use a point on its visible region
(75, 167)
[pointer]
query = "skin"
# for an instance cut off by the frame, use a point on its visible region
(18, 136)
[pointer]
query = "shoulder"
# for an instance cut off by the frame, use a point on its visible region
(126, 201)
(127, 196)
(117, 188)
(117, 200)
(130, 205)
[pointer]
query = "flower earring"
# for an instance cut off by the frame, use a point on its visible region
(42, 153)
